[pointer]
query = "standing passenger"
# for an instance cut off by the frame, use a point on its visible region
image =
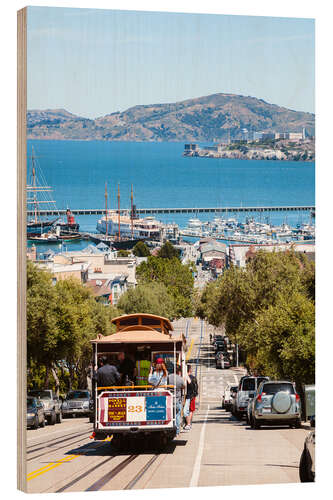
(178, 381)
(158, 374)
(191, 393)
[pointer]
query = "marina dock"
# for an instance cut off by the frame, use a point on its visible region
(191, 210)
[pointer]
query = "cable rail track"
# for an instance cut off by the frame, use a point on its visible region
(107, 477)
(55, 449)
(56, 441)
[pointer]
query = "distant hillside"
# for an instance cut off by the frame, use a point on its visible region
(209, 118)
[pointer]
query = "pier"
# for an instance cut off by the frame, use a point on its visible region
(191, 210)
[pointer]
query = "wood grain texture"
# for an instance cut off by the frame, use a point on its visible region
(21, 245)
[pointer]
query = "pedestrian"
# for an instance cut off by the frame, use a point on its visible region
(126, 369)
(191, 393)
(158, 374)
(107, 375)
(177, 380)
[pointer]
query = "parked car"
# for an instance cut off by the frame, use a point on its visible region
(222, 360)
(219, 346)
(52, 405)
(307, 461)
(227, 396)
(247, 388)
(276, 402)
(35, 413)
(76, 403)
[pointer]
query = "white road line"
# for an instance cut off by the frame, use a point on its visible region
(197, 464)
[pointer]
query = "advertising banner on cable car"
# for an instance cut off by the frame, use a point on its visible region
(133, 408)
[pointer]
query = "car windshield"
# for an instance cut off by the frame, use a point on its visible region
(234, 388)
(274, 388)
(41, 394)
(248, 384)
(78, 395)
(31, 403)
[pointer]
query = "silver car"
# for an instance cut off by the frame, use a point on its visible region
(76, 403)
(276, 402)
(246, 391)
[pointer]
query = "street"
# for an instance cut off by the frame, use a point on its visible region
(219, 450)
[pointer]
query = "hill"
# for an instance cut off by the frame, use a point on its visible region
(209, 118)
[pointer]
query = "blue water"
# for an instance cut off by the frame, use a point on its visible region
(162, 177)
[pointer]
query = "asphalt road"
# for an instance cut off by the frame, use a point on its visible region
(219, 450)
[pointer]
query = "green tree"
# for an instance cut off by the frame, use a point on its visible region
(43, 341)
(152, 298)
(61, 321)
(281, 339)
(141, 250)
(123, 253)
(168, 251)
(268, 309)
(177, 278)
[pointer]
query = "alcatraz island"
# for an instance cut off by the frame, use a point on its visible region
(292, 146)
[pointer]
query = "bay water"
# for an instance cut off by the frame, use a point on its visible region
(78, 170)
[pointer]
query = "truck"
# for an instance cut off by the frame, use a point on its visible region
(51, 403)
(138, 412)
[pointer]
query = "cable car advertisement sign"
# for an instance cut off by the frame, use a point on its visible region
(126, 409)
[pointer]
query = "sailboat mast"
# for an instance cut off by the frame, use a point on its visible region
(34, 183)
(106, 211)
(132, 210)
(118, 213)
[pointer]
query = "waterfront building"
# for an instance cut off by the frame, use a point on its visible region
(238, 255)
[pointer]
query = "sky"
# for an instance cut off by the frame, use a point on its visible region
(94, 62)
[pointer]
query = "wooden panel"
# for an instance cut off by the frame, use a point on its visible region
(21, 245)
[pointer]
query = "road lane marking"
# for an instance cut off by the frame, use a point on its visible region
(197, 464)
(190, 350)
(50, 466)
(53, 465)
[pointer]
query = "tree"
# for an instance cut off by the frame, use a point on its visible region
(42, 326)
(168, 251)
(152, 298)
(281, 339)
(123, 253)
(141, 250)
(268, 309)
(61, 321)
(177, 278)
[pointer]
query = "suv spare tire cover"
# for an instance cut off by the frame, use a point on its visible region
(281, 402)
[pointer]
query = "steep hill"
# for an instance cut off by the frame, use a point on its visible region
(202, 119)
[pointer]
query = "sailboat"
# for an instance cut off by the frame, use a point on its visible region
(37, 197)
(40, 228)
(123, 232)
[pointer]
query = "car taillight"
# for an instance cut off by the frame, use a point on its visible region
(297, 397)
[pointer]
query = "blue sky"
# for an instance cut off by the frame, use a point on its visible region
(95, 62)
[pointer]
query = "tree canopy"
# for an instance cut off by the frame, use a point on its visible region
(141, 250)
(61, 321)
(152, 298)
(176, 277)
(268, 309)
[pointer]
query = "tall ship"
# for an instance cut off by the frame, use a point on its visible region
(38, 200)
(121, 229)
